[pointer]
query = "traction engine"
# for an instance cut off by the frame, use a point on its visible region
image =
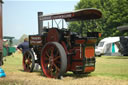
(60, 50)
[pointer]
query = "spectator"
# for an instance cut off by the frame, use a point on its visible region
(24, 46)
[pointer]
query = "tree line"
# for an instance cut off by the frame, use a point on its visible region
(115, 13)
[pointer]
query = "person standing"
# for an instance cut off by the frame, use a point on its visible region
(24, 46)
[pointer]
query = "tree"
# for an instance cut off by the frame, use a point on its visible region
(115, 13)
(22, 38)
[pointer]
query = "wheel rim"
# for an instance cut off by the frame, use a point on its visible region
(51, 61)
(28, 62)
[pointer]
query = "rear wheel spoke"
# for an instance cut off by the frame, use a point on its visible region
(47, 54)
(52, 51)
(56, 58)
(57, 53)
(57, 62)
(51, 71)
(57, 68)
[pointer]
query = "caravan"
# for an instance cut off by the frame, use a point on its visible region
(108, 46)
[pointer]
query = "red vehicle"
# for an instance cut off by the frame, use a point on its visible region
(1, 36)
(60, 50)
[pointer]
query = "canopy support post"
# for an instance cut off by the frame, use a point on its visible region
(81, 28)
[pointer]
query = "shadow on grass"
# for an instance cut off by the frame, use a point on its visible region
(69, 74)
(30, 72)
(76, 75)
(21, 70)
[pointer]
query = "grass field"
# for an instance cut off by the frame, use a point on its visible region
(112, 66)
(110, 70)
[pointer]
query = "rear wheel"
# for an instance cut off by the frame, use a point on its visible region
(28, 61)
(53, 60)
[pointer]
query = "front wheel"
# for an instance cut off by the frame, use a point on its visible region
(28, 61)
(53, 60)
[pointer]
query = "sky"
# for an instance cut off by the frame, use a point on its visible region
(20, 16)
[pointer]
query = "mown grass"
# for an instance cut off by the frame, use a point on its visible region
(13, 63)
(113, 66)
(106, 66)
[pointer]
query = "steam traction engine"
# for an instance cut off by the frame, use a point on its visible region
(60, 50)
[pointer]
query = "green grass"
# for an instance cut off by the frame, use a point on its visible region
(13, 63)
(112, 66)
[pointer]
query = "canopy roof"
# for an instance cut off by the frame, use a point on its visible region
(8, 37)
(123, 28)
(83, 14)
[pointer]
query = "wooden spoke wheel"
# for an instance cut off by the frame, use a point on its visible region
(53, 60)
(28, 61)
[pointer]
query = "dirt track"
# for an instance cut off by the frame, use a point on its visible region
(35, 78)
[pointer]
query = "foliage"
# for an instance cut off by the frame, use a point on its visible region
(22, 38)
(115, 13)
(15, 42)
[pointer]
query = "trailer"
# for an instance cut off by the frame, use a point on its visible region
(1, 35)
(60, 50)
